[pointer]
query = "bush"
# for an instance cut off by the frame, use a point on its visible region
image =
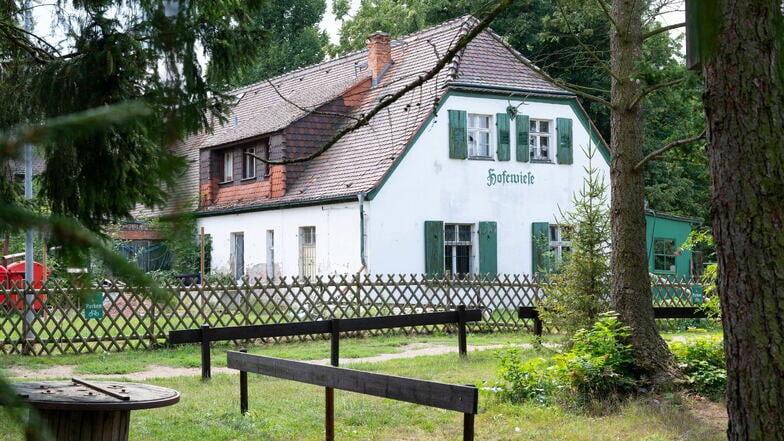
(529, 380)
(599, 365)
(702, 362)
(597, 368)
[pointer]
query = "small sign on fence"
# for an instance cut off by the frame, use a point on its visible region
(696, 294)
(93, 306)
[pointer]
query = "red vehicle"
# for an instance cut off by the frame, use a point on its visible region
(13, 277)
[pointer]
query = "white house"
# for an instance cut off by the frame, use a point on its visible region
(457, 175)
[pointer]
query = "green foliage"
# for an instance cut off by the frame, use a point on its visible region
(181, 240)
(292, 39)
(116, 51)
(597, 369)
(580, 289)
(702, 240)
(530, 380)
(599, 365)
(703, 363)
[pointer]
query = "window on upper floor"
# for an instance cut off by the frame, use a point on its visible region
(263, 151)
(492, 137)
(539, 139)
(249, 163)
(479, 136)
(228, 166)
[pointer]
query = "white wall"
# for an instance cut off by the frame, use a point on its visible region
(428, 185)
(337, 239)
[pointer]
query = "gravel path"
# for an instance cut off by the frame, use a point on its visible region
(157, 371)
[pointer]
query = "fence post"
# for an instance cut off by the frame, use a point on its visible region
(537, 324)
(243, 388)
(153, 339)
(468, 427)
(329, 393)
(461, 330)
(205, 353)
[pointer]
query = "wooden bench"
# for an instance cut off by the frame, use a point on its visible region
(659, 312)
(334, 327)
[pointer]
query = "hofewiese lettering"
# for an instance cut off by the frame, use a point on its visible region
(504, 177)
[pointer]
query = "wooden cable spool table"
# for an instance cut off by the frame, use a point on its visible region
(80, 410)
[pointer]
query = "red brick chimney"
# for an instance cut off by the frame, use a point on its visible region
(379, 54)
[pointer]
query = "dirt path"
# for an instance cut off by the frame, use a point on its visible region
(157, 371)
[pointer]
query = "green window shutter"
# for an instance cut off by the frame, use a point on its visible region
(540, 244)
(502, 126)
(458, 135)
(488, 248)
(521, 128)
(563, 130)
(434, 248)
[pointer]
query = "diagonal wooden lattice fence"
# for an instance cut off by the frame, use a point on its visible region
(115, 317)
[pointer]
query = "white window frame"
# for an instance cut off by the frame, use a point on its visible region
(540, 142)
(453, 245)
(477, 149)
(265, 153)
(307, 252)
(248, 163)
(238, 254)
(271, 253)
(559, 247)
(228, 166)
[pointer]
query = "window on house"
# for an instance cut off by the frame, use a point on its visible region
(457, 249)
(263, 152)
(248, 163)
(559, 246)
(307, 252)
(270, 253)
(238, 255)
(664, 255)
(228, 166)
(539, 137)
(479, 136)
(449, 248)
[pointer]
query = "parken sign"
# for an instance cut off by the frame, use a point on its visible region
(504, 177)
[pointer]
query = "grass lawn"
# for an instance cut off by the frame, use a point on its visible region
(286, 410)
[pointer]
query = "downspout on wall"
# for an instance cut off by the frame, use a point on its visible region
(361, 199)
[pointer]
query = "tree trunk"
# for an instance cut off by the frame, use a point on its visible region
(744, 104)
(631, 291)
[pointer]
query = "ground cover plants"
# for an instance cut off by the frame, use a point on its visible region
(285, 410)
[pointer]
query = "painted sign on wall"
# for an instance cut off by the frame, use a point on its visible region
(504, 177)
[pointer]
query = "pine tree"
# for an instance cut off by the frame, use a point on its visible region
(581, 284)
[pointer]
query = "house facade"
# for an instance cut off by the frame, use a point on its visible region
(464, 174)
(459, 175)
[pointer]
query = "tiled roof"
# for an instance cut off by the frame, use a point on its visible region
(359, 161)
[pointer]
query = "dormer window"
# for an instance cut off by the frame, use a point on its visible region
(228, 166)
(479, 136)
(249, 163)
